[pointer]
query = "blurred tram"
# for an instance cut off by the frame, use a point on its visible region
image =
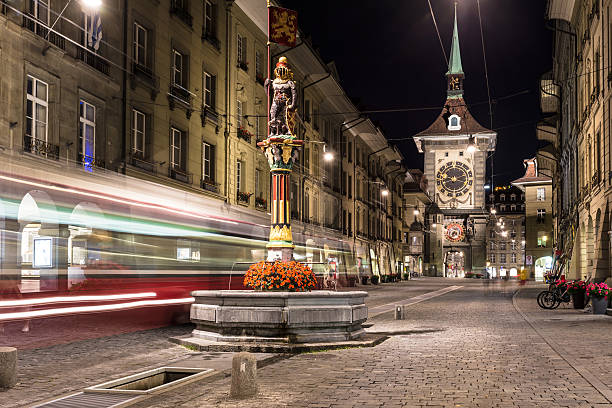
(91, 243)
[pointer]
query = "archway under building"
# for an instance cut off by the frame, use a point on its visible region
(543, 265)
(454, 264)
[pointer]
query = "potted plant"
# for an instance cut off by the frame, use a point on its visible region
(599, 296)
(280, 276)
(374, 279)
(576, 289)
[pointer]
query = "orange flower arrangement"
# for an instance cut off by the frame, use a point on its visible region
(290, 276)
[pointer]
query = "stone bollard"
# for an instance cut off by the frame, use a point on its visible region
(8, 367)
(244, 375)
(399, 312)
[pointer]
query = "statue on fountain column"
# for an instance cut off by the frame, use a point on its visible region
(284, 101)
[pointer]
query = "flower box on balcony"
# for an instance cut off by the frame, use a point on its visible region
(244, 134)
(243, 198)
(261, 203)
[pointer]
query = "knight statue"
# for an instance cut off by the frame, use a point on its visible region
(284, 100)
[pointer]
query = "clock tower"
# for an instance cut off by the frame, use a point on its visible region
(456, 147)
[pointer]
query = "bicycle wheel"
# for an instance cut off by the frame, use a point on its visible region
(549, 300)
(539, 299)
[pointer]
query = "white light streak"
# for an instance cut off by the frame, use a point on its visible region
(63, 299)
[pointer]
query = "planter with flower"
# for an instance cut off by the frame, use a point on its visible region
(243, 198)
(280, 276)
(598, 292)
(261, 203)
(576, 289)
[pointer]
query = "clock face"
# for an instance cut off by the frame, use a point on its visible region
(454, 179)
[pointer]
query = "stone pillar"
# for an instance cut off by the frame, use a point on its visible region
(244, 375)
(8, 367)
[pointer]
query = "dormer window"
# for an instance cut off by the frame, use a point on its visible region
(454, 122)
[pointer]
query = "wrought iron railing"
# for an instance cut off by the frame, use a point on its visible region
(180, 175)
(180, 93)
(40, 147)
(93, 61)
(182, 13)
(31, 24)
(89, 162)
(209, 185)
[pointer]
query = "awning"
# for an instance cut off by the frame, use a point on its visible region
(561, 10)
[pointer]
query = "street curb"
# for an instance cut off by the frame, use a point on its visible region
(580, 369)
(372, 340)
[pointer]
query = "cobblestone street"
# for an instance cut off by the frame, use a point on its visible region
(485, 349)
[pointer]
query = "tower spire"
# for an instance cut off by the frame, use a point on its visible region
(455, 69)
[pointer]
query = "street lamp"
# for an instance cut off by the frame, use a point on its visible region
(92, 5)
(416, 211)
(327, 155)
(493, 211)
(384, 192)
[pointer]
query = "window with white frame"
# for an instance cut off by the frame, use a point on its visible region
(513, 257)
(40, 10)
(177, 68)
(208, 162)
(492, 245)
(258, 64)
(87, 132)
(541, 217)
(502, 258)
(492, 234)
(513, 245)
(140, 44)
(502, 246)
(541, 194)
(176, 142)
(239, 112)
(492, 258)
(238, 176)
(37, 109)
(208, 88)
(209, 18)
(242, 50)
(139, 122)
(512, 197)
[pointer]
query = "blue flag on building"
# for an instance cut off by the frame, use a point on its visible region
(94, 31)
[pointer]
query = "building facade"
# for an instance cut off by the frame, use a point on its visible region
(173, 95)
(456, 147)
(577, 95)
(506, 232)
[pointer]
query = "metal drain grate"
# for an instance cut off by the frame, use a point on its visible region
(86, 400)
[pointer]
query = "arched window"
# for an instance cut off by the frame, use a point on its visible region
(454, 122)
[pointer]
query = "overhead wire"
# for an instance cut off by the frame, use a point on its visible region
(437, 31)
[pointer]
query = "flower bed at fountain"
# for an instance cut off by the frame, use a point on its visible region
(282, 308)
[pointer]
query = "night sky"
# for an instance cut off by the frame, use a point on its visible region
(388, 56)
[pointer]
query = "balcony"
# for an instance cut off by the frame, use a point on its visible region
(137, 160)
(210, 114)
(93, 61)
(243, 65)
(181, 12)
(180, 175)
(211, 39)
(243, 198)
(89, 162)
(244, 134)
(30, 23)
(179, 94)
(209, 185)
(40, 148)
(145, 76)
(261, 203)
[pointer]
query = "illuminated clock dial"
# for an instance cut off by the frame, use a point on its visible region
(454, 179)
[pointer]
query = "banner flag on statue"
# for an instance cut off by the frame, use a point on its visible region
(282, 26)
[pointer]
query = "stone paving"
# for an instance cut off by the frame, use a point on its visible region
(483, 354)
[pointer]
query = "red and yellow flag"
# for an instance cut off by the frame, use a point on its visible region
(282, 26)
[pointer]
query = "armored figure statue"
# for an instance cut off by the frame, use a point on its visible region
(284, 100)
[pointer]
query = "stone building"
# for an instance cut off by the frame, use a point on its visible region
(537, 188)
(416, 231)
(173, 95)
(456, 147)
(577, 99)
(506, 232)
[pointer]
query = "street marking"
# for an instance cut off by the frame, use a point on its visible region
(378, 310)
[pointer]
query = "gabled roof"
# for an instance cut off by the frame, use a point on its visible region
(469, 125)
(532, 175)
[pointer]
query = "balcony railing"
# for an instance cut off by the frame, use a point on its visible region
(40, 147)
(30, 23)
(180, 175)
(93, 61)
(180, 93)
(89, 162)
(209, 185)
(182, 13)
(137, 160)
(211, 39)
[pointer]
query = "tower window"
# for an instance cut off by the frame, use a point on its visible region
(454, 122)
